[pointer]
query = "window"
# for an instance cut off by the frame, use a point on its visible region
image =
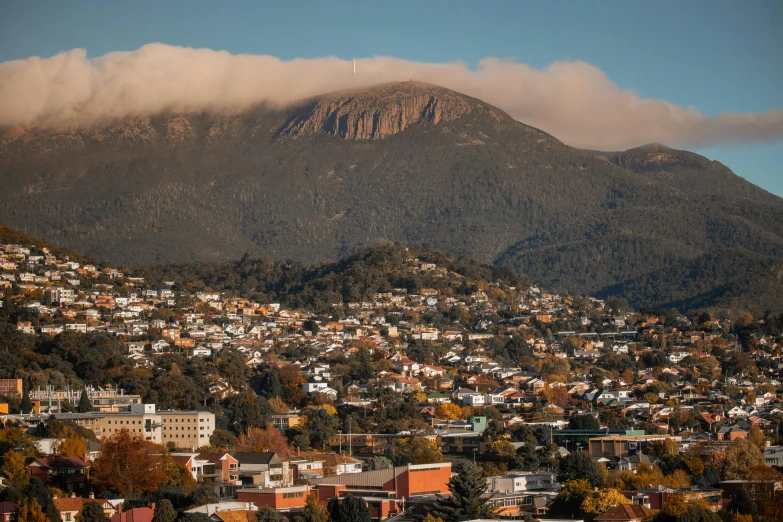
(295, 494)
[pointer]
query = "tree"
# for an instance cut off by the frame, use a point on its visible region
(502, 451)
(698, 513)
(379, 463)
(73, 447)
(568, 503)
(583, 422)
(269, 514)
(175, 475)
(222, 440)
(26, 406)
(31, 511)
(432, 518)
(247, 410)
(417, 450)
(579, 465)
(354, 509)
(36, 490)
(757, 437)
(126, 465)
(333, 507)
(466, 501)
(266, 439)
(321, 426)
(603, 501)
(84, 405)
(13, 469)
(448, 411)
(92, 512)
(741, 457)
(743, 503)
(164, 511)
(18, 440)
(314, 511)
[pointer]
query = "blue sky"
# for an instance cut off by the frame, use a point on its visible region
(713, 55)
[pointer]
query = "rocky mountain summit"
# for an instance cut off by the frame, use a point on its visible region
(383, 110)
(407, 162)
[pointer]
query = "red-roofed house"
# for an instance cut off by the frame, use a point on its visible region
(405, 384)
(626, 513)
(7, 509)
(67, 473)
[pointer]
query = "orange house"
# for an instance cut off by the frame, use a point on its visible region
(402, 481)
(220, 466)
(283, 499)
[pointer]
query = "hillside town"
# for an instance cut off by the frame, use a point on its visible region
(149, 396)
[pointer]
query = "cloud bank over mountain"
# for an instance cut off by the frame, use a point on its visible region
(573, 100)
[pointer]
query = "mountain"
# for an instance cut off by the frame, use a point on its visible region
(407, 162)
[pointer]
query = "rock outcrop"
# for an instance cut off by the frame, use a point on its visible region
(381, 111)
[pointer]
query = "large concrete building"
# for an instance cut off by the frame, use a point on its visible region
(182, 429)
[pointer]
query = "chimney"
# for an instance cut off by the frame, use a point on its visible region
(73, 494)
(152, 507)
(92, 495)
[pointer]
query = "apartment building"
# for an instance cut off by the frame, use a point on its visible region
(187, 429)
(183, 429)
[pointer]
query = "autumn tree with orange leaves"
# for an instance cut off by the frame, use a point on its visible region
(128, 465)
(264, 439)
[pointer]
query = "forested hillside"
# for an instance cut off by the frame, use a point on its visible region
(355, 278)
(404, 162)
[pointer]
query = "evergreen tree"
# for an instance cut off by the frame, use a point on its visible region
(354, 509)
(583, 422)
(84, 405)
(579, 465)
(333, 507)
(92, 512)
(164, 511)
(35, 490)
(743, 504)
(26, 406)
(466, 501)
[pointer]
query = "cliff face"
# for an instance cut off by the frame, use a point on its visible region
(382, 111)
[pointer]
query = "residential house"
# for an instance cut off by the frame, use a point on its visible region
(66, 473)
(266, 469)
(338, 464)
(626, 513)
(221, 467)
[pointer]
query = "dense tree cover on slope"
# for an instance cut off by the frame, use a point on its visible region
(482, 185)
(352, 279)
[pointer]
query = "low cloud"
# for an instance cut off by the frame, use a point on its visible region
(574, 101)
